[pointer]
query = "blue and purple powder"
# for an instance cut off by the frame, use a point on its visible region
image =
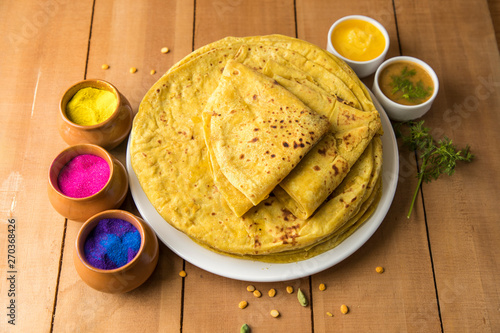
(112, 244)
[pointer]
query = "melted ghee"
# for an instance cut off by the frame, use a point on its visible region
(358, 40)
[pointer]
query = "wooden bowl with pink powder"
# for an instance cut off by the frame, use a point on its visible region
(85, 180)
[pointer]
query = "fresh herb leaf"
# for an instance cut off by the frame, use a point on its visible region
(435, 157)
(409, 90)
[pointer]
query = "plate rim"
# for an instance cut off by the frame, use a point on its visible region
(257, 271)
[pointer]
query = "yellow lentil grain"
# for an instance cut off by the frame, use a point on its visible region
(322, 287)
(243, 304)
(257, 293)
(133, 70)
(152, 72)
(379, 269)
(165, 50)
(289, 289)
(275, 313)
(329, 314)
(272, 292)
(344, 309)
(105, 66)
(182, 273)
(250, 288)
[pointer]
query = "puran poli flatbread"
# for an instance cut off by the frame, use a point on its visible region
(171, 161)
(322, 170)
(256, 132)
(369, 203)
(319, 56)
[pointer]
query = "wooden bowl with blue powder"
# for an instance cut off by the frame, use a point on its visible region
(115, 252)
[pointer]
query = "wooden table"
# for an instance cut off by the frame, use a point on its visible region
(442, 267)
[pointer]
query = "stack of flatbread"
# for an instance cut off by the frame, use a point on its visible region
(265, 148)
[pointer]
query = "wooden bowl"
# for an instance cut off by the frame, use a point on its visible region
(124, 278)
(110, 196)
(107, 134)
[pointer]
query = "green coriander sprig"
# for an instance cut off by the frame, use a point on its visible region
(409, 90)
(436, 158)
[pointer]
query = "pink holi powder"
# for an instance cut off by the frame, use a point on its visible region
(83, 176)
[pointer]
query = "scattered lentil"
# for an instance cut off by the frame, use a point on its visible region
(322, 287)
(250, 288)
(105, 66)
(83, 176)
(133, 70)
(344, 309)
(379, 269)
(289, 289)
(272, 292)
(329, 314)
(152, 72)
(275, 313)
(165, 50)
(112, 244)
(257, 293)
(243, 304)
(182, 274)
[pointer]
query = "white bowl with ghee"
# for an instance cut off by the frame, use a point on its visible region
(406, 87)
(360, 41)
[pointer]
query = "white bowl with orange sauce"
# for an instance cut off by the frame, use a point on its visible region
(403, 109)
(360, 41)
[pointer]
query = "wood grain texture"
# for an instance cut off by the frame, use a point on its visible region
(211, 302)
(211, 305)
(494, 7)
(37, 61)
(129, 34)
(462, 218)
(441, 266)
(403, 298)
(221, 18)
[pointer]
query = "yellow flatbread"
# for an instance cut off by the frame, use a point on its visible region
(256, 132)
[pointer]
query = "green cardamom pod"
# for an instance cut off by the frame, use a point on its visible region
(302, 298)
(245, 329)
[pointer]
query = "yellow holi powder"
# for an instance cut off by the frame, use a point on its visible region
(358, 40)
(91, 106)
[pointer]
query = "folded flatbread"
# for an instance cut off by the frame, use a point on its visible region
(324, 168)
(256, 132)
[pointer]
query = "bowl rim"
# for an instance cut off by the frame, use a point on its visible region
(423, 64)
(368, 19)
(91, 223)
(89, 83)
(81, 149)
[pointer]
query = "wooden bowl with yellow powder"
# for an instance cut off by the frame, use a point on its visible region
(94, 111)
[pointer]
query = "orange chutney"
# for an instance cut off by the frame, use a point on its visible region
(406, 83)
(358, 40)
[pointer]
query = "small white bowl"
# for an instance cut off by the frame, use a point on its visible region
(362, 68)
(400, 112)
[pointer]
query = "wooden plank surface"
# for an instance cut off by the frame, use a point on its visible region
(122, 39)
(462, 218)
(441, 266)
(203, 290)
(410, 304)
(37, 59)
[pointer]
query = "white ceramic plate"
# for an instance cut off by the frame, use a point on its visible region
(256, 271)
